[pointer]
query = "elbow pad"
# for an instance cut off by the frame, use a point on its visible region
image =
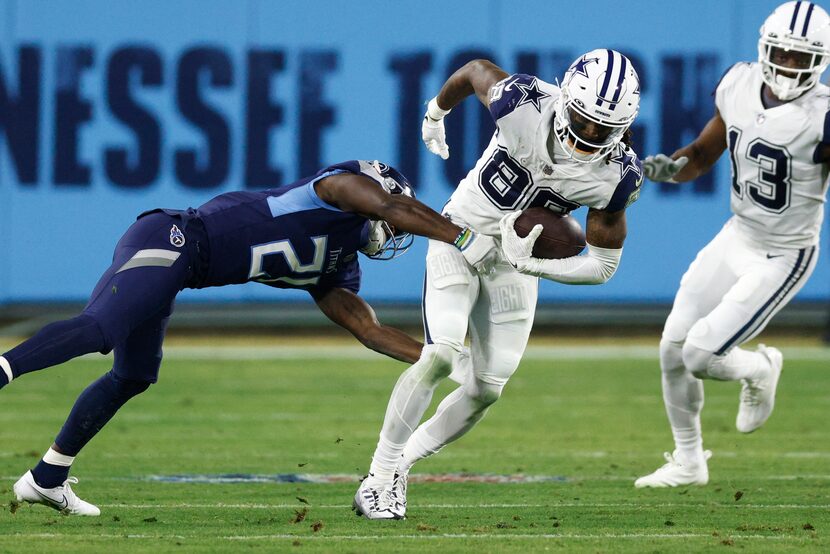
(595, 268)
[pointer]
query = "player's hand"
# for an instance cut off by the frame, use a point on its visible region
(517, 250)
(480, 251)
(435, 137)
(662, 169)
(462, 366)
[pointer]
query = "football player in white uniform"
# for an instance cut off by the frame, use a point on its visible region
(559, 148)
(773, 118)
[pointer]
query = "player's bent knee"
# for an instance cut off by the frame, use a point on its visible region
(697, 360)
(484, 393)
(127, 388)
(671, 356)
(436, 360)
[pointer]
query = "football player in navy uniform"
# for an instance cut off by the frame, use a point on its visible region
(554, 147)
(773, 118)
(305, 235)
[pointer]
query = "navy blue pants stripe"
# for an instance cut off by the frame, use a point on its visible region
(759, 318)
(427, 336)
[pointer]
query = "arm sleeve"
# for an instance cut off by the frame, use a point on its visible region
(595, 268)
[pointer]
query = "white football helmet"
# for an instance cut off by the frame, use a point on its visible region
(600, 99)
(802, 27)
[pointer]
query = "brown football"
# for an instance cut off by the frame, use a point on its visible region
(562, 235)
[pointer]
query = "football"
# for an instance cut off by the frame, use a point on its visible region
(562, 235)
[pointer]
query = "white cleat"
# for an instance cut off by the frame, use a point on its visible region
(758, 395)
(61, 498)
(676, 473)
(399, 484)
(375, 501)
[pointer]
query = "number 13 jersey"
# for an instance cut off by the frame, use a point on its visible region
(516, 171)
(778, 186)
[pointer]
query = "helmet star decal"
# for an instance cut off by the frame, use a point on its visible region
(531, 95)
(579, 65)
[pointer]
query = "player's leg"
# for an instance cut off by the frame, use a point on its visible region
(450, 289)
(136, 366)
(499, 329)
(144, 248)
(703, 285)
(766, 284)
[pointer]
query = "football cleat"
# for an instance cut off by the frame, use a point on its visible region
(61, 498)
(758, 395)
(399, 494)
(676, 473)
(375, 501)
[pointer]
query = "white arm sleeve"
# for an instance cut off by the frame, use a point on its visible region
(592, 269)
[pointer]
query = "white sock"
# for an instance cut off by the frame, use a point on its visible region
(741, 364)
(410, 399)
(683, 398)
(456, 414)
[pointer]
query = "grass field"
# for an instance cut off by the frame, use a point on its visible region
(589, 419)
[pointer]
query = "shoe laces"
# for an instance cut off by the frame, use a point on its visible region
(399, 484)
(751, 392)
(672, 459)
(71, 497)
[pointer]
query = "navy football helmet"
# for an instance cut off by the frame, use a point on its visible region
(385, 242)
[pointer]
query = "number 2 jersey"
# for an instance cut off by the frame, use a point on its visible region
(778, 185)
(285, 237)
(516, 170)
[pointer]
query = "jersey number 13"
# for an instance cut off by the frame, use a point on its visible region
(771, 192)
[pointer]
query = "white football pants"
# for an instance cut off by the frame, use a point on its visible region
(498, 309)
(727, 296)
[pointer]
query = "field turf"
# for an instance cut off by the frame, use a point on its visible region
(579, 424)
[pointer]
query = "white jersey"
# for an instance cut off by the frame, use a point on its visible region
(778, 188)
(516, 171)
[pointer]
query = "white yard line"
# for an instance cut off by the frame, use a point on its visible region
(464, 536)
(635, 505)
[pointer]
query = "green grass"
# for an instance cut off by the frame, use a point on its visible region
(598, 423)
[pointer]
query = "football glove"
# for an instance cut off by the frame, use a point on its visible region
(517, 250)
(662, 169)
(432, 130)
(480, 251)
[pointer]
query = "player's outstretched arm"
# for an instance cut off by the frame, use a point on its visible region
(351, 312)
(475, 77)
(605, 235)
(692, 160)
(359, 194)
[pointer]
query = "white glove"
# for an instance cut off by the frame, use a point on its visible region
(517, 250)
(432, 130)
(480, 251)
(662, 169)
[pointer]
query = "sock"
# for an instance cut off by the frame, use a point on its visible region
(55, 344)
(741, 364)
(683, 398)
(53, 469)
(456, 414)
(410, 399)
(94, 408)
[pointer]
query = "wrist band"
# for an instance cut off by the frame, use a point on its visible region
(464, 238)
(436, 112)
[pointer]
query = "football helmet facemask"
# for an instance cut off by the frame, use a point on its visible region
(794, 48)
(600, 97)
(384, 241)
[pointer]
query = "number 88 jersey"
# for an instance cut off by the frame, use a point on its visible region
(778, 186)
(516, 171)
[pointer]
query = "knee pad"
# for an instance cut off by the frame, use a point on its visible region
(124, 389)
(436, 361)
(671, 356)
(698, 361)
(482, 392)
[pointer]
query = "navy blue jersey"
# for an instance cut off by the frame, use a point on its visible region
(285, 237)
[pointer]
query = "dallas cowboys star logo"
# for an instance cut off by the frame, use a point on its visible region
(627, 163)
(531, 95)
(579, 65)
